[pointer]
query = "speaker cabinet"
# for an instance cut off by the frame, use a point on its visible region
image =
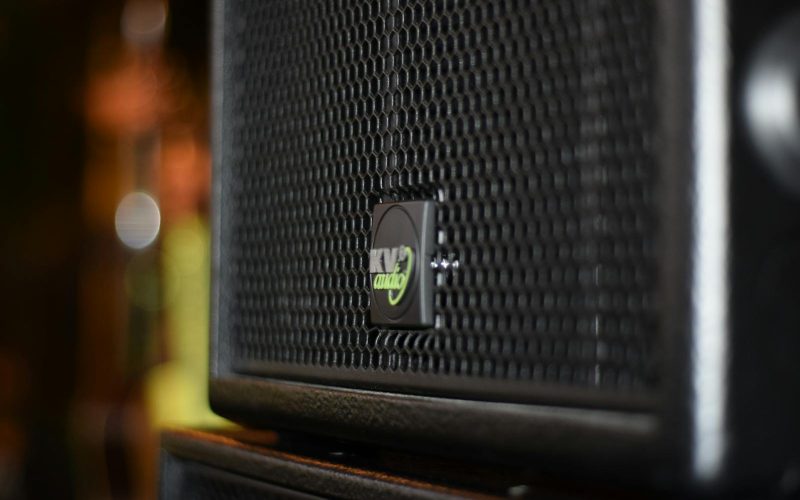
(530, 231)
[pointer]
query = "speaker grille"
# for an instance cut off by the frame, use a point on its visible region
(530, 123)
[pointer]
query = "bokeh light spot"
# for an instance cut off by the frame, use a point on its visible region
(137, 220)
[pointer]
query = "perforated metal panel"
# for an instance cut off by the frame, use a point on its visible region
(530, 123)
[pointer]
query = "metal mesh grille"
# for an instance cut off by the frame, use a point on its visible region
(531, 125)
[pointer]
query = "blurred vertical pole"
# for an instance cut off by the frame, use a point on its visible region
(143, 26)
(121, 286)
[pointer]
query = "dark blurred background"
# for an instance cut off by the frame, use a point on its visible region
(105, 173)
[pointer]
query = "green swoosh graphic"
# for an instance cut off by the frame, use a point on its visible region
(394, 300)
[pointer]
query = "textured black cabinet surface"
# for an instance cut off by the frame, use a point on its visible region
(238, 463)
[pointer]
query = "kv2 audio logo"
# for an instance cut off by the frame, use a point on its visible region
(401, 294)
(391, 268)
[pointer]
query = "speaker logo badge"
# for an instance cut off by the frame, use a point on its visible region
(401, 278)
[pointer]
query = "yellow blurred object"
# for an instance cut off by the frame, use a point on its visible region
(177, 392)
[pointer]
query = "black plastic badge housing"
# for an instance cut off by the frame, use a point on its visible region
(401, 278)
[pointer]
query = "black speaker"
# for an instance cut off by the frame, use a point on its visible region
(541, 231)
(240, 464)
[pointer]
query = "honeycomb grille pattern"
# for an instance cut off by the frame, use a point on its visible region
(530, 123)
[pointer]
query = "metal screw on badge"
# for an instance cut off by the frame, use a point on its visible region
(445, 264)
